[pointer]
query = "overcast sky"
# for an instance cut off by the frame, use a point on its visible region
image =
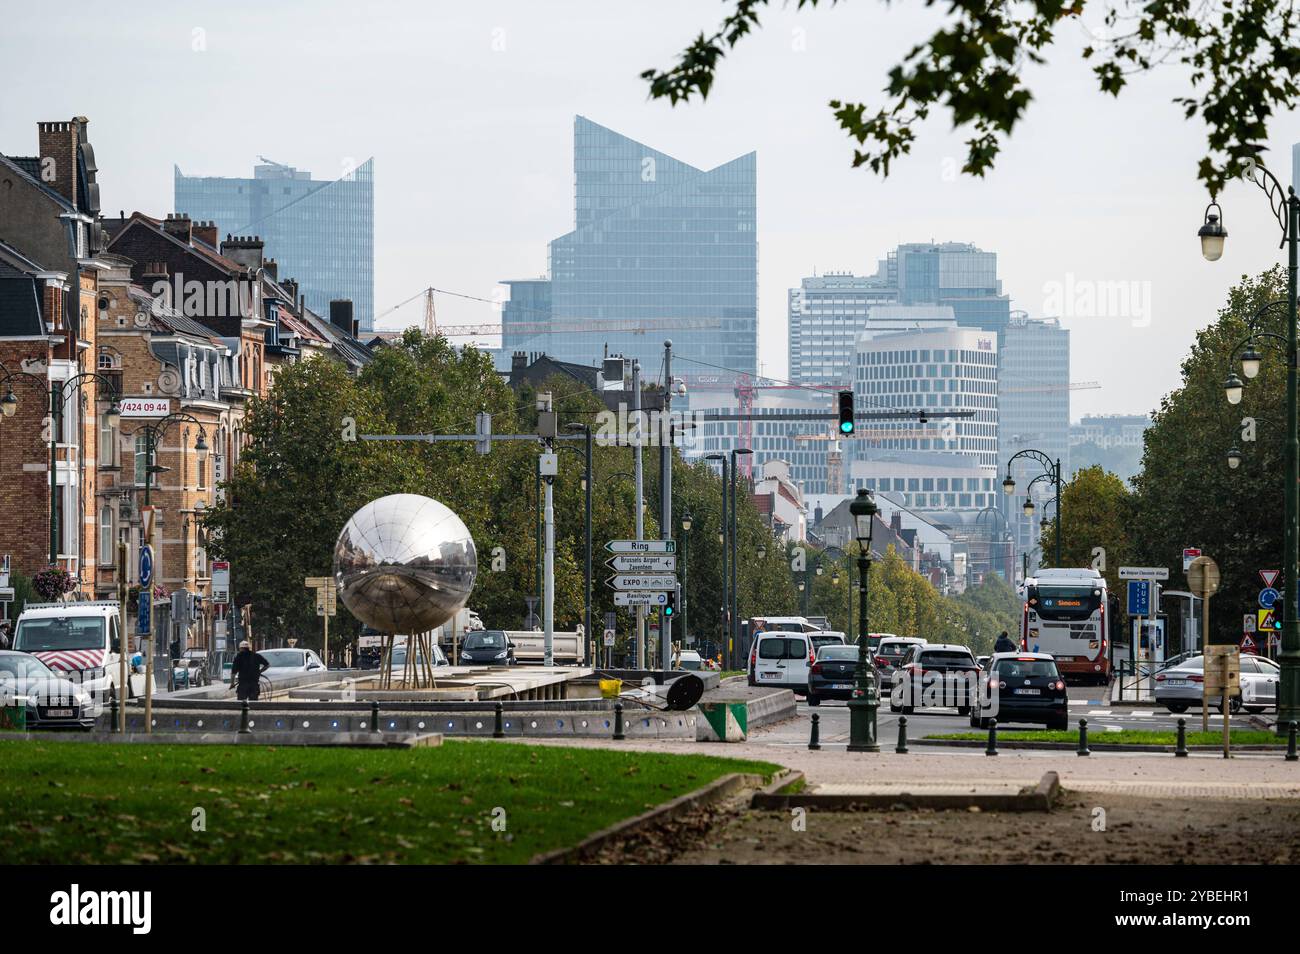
(468, 110)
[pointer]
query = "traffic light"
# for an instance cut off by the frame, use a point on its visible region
(846, 412)
(670, 607)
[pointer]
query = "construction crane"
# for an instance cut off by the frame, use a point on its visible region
(1072, 386)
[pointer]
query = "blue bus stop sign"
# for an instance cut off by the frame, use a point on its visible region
(1139, 598)
(142, 622)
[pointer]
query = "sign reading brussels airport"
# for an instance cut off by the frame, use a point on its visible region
(145, 407)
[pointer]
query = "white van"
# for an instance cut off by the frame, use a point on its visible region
(80, 642)
(783, 659)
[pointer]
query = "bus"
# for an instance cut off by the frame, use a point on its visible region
(1069, 613)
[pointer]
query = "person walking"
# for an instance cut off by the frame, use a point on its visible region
(1004, 644)
(246, 672)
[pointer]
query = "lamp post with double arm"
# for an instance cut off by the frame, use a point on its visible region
(1051, 473)
(865, 700)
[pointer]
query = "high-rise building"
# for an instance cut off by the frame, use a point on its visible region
(320, 232)
(661, 250)
(955, 274)
(826, 315)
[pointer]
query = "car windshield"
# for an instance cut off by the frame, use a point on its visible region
(895, 649)
(59, 632)
(826, 640)
(283, 658)
(838, 652)
(24, 667)
(486, 640)
(1026, 668)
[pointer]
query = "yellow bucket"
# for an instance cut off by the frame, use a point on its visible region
(610, 688)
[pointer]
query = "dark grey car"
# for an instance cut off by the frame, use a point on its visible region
(487, 647)
(831, 675)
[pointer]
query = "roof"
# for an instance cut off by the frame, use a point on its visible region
(168, 317)
(30, 169)
(20, 295)
(348, 348)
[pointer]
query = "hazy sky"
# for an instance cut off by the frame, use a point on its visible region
(468, 110)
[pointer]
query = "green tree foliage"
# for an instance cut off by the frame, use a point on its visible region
(1240, 60)
(1186, 495)
(1097, 513)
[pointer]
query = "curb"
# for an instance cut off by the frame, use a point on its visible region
(714, 791)
(1041, 798)
(280, 740)
(1093, 746)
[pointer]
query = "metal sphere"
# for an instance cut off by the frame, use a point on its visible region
(404, 564)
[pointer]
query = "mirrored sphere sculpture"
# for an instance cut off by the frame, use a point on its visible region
(404, 564)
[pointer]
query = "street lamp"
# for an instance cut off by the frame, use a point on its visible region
(587, 481)
(1250, 361)
(1234, 459)
(1286, 208)
(732, 636)
(724, 614)
(1051, 473)
(1028, 507)
(687, 521)
(1232, 388)
(863, 705)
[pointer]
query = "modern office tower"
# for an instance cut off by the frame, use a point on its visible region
(1033, 411)
(955, 274)
(320, 232)
(826, 314)
(660, 250)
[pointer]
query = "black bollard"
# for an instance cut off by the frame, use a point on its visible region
(243, 718)
(1290, 743)
(112, 713)
(901, 747)
(1180, 750)
(618, 721)
(374, 717)
(992, 748)
(1083, 738)
(499, 730)
(814, 742)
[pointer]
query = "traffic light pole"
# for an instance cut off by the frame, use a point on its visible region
(666, 497)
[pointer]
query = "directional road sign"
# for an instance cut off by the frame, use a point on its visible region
(1144, 573)
(640, 598)
(636, 563)
(641, 546)
(643, 581)
(1268, 596)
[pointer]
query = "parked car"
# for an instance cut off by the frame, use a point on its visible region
(1183, 685)
(490, 647)
(51, 701)
(783, 659)
(188, 672)
(982, 662)
(398, 662)
(1024, 687)
(831, 675)
(945, 673)
(690, 659)
(889, 655)
(290, 662)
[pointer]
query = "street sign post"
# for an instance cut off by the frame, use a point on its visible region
(1144, 573)
(1203, 579)
(221, 582)
(643, 581)
(640, 598)
(1139, 597)
(641, 546)
(1268, 596)
(637, 563)
(1269, 577)
(326, 606)
(1189, 554)
(1222, 679)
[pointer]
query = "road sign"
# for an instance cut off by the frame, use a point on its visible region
(1248, 645)
(146, 565)
(1143, 573)
(643, 581)
(641, 546)
(1248, 623)
(221, 581)
(142, 621)
(639, 598)
(1267, 620)
(1203, 576)
(1139, 597)
(1268, 596)
(637, 563)
(1189, 554)
(609, 637)
(1269, 577)
(6, 594)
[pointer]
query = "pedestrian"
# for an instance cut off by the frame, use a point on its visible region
(1004, 644)
(5, 628)
(246, 672)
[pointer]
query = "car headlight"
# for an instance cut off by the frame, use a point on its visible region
(501, 655)
(81, 697)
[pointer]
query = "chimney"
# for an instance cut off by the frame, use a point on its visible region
(178, 226)
(291, 286)
(518, 365)
(271, 269)
(356, 328)
(59, 145)
(246, 250)
(206, 232)
(896, 522)
(341, 314)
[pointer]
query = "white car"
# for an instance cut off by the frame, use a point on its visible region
(399, 658)
(50, 701)
(690, 659)
(290, 662)
(783, 659)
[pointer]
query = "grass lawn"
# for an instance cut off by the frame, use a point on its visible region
(86, 803)
(1130, 736)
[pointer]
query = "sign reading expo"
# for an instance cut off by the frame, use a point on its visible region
(145, 407)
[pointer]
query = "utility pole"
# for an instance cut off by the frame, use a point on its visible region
(636, 504)
(666, 496)
(547, 468)
(123, 646)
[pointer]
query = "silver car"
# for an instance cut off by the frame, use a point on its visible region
(1181, 686)
(291, 662)
(50, 700)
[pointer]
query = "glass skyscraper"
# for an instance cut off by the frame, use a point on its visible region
(661, 250)
(320, 232)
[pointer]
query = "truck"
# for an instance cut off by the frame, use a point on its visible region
(81, 642)
(567, 648)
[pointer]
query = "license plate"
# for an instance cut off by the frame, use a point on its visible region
(59, 713)
(769, 675)
(1029, 692)
(1175, 682)
(841, 685)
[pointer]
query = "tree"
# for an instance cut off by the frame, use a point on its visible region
(1096, 515)
(1241, 59)
(1186, 495)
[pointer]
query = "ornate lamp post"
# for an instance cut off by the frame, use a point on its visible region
(687, 520)
(153, 435)
(1051, 473)
(865, 701)
(1286, 209)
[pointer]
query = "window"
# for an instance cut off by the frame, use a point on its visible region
(107, 442)
(141, 459)
(106, 536)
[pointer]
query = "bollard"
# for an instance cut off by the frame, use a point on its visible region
(815, 741)
(1290, 743)
(499, 730)
(992, 748)
(1083, 738)
(243, 718)
(618, 721)
(374, 717)
(901, 747)
(112, 725)
(1180, 750)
